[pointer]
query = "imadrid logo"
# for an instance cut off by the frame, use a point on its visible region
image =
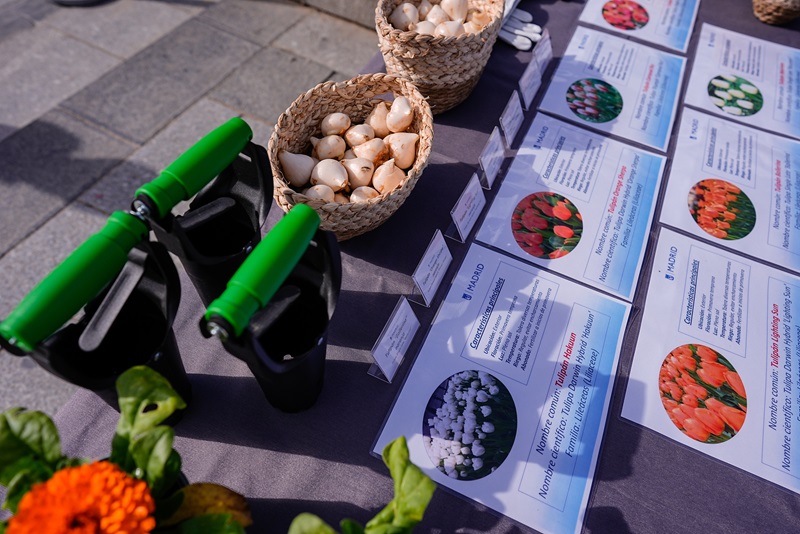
(671, 259)
(473, 282)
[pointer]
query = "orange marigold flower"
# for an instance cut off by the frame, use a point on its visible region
(95, 498)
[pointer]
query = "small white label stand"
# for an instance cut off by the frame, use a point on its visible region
(431, 269)
(467, 210)
(492, 158)
(530, 82)
(543, 51)
(393, 342)
(512, 118)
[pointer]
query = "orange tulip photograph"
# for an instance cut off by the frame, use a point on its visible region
(702, 393)
(721, 209)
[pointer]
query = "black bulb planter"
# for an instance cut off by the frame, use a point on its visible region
(129, 323)
(286, 342)
(223, 223)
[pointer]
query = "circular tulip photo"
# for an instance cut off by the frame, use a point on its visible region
(721, 209)
(594, 100)
(702, 393)
(546, 225)
(735, 95)
(470, 425)
(625, 14)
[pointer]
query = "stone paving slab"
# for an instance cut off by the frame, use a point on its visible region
(12, 22)
(255, 90)
(43, 250)
(45, 166)
(40, 68)
(121, 28)
(344, 47)
(115, 191)
(260, 22)
(33, 9)
(152, 88)
(358, 11)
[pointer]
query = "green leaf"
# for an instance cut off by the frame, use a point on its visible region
(152, 453)
(349, 526)
(25, 434)
(208, 524)
(145, 400)
(306, 523)
(28, 471)
(413, 490)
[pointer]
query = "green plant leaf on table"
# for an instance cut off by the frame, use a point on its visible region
(349, 526)
(413, 490)
(153, 453)
(205, 524)
(146, 399)
(30, 452)
(306, 523)
(25, 433)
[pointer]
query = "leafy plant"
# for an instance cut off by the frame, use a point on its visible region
(30, 455)
(413, 490)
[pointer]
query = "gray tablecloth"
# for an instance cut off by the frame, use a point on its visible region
(319, 460)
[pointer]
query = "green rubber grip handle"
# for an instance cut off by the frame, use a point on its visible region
(196, 167)
(74, 282)
(265, 269)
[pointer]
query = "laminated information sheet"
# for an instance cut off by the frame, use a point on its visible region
(507, 400)
(749, 80)
(717, 364)
(667, 24)
(615, 85)
(736, 186)
(577, 202)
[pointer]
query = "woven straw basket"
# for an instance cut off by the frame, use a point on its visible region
(445, 69)
(356, 98)
(776, 11)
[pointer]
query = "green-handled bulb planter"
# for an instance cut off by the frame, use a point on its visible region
(96, 262)
(78, 279)
(262, 273)
(193, 170)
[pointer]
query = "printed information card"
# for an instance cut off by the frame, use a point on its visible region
(578, 203)
(507, 400)
(737, 187)
(717, 362)
(617, 86)
(745, 79)
(663, 23)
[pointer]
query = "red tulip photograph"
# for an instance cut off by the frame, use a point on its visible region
(546, 225)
